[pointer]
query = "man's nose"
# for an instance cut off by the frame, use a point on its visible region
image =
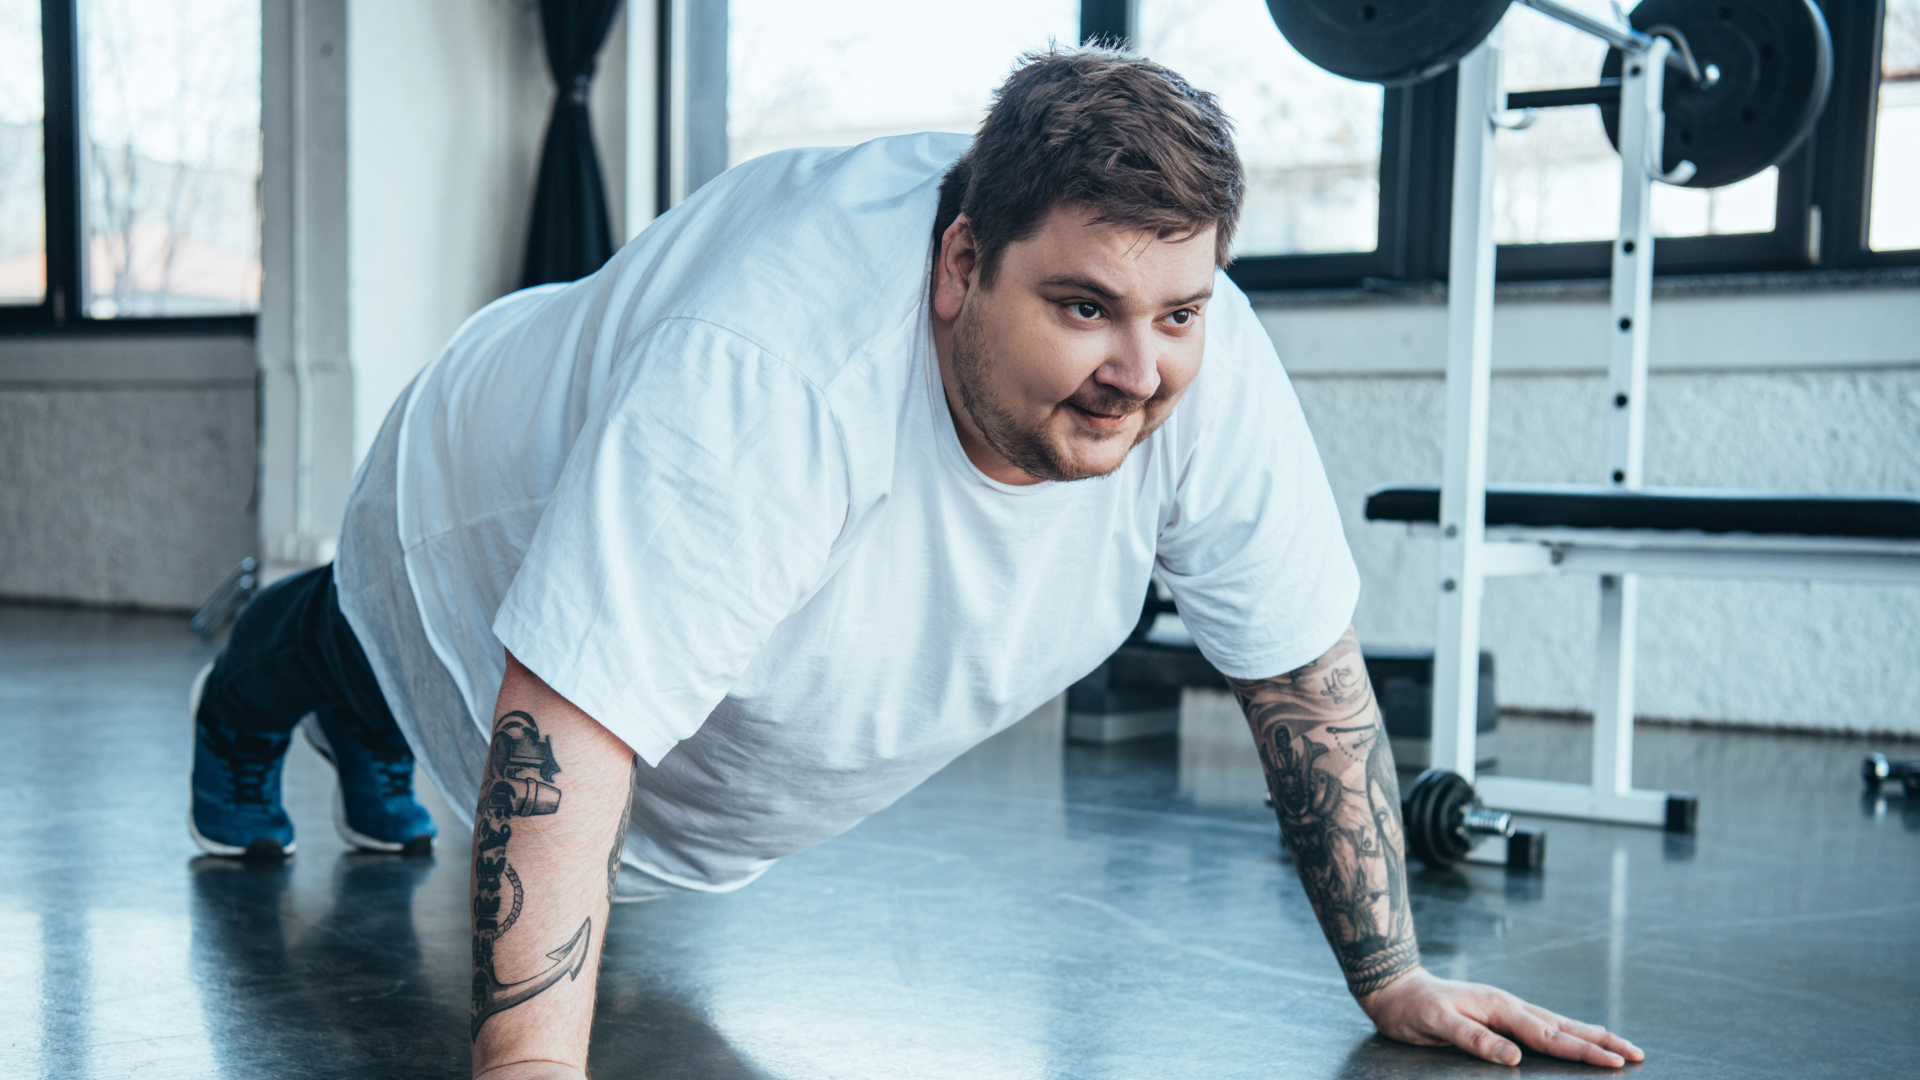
(1131, 367)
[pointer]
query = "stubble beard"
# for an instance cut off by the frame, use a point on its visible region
(1026, 447)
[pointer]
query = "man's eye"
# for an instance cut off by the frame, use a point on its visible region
(1181, 317)
(1087, 310)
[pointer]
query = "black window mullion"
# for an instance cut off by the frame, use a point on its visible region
(1106, 21)
(1429, 167)
(60, 145)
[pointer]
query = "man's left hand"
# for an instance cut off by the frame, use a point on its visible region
(1426, 1010)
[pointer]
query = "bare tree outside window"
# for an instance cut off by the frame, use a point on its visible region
(23, 204)
(171, 110)
(1559, 180)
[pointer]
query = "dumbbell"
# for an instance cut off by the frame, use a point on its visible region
(1444, 819)
(1877, 770)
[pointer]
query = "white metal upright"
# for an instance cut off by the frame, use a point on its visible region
(1463, 488)
(1610, 796)
(1641, 138)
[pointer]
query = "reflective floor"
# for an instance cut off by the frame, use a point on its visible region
(1031, 912)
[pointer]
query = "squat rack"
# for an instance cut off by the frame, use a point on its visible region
(1618, 551)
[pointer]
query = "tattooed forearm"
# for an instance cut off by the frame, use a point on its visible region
(1325, 754)
(620, 834)
(519, 783)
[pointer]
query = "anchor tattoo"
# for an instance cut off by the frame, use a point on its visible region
(518, 750)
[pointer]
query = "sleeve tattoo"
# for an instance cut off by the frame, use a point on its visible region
(519, 783)
(620, 834)
(1325, 753)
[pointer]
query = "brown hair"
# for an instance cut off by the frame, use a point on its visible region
(1093, 126)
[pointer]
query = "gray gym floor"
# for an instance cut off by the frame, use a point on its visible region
(1031, 912)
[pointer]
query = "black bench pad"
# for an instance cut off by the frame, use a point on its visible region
(1581, 506)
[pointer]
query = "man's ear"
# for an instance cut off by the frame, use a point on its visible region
(954, 270)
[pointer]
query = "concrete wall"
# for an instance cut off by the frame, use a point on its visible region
(126, 467)
(1806, 391)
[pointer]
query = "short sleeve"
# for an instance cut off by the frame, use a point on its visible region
(695, 512)
(1252, 549)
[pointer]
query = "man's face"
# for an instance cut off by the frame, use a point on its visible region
(1086, 340)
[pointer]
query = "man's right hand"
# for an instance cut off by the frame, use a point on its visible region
(1426, 1010)
(547, 835)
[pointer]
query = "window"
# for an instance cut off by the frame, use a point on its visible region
(1310, 141)
(1896, 132)
(23, 161)
(1349, 185)
(171, 116)
(756, 76)
(134, 193)
(839, 73)
(1559, 179)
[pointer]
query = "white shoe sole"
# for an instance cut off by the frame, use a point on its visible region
(211, 847)
(310, 727)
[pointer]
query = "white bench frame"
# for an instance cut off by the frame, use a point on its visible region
(1469, 555)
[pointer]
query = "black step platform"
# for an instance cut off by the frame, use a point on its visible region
(1708, 510)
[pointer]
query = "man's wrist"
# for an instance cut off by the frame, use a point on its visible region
(533, 1069)
(1381, 989)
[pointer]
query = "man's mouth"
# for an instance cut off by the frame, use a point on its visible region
(1100, 421)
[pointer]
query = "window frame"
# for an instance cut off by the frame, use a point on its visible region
(60, 310)
(1821, 215)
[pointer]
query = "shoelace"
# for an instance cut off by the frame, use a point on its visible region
(247, 771)
(396, 776)
(392, 759)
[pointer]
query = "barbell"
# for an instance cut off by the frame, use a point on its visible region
(1443, 818)
(1749, 82)
(1877, 771)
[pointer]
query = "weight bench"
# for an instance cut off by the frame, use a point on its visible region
(1618, 533)
(1616, 530)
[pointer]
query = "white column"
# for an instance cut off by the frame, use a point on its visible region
(306, 383)
(643, 116)
(1456, 664)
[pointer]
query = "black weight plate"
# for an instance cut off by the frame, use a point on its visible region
(1430, 815)
(1386, 41)
(1776, 67)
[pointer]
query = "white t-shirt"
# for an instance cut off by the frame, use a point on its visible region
(713, 496)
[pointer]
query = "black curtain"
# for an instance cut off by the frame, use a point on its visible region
(571, 235)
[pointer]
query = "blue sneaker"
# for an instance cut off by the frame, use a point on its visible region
(236, 808)
(374, 808)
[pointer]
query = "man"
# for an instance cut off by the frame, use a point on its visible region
(734, 542)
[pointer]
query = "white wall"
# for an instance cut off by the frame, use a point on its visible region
(1807, 391)
(448, 109)
(447, 105)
